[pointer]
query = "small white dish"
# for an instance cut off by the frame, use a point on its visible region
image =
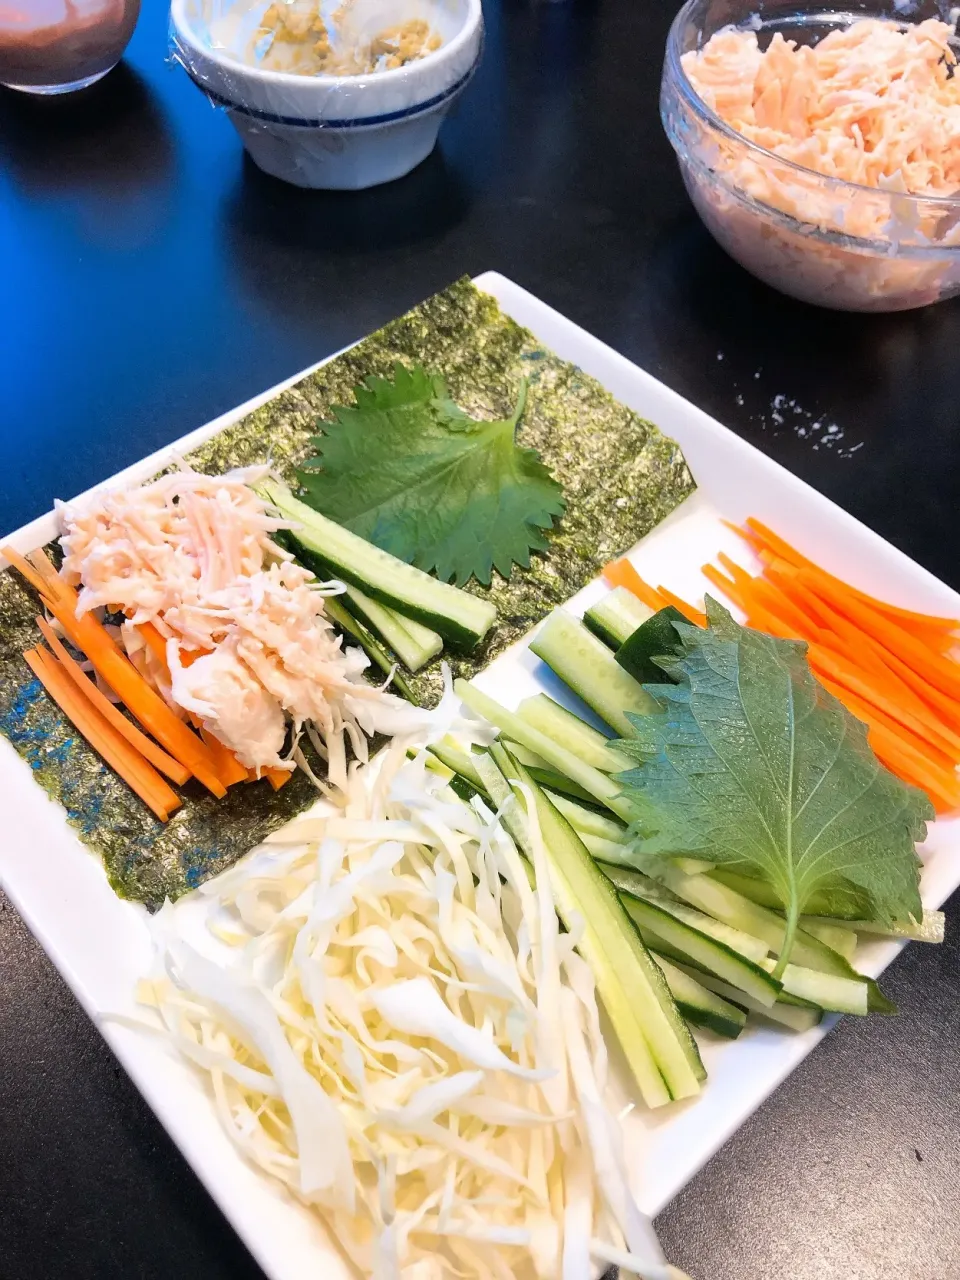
(335, 132)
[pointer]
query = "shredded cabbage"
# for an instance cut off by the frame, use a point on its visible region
(394, 1026)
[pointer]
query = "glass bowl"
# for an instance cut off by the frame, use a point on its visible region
(833, 243)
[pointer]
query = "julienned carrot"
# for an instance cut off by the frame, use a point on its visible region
(139, 741)
(941, 672)
(696, 616)
(724, 585)
(277, 777)
(154, 641)
(229, 768)
(88, 635)
(621, 573)
(105, 740)
(761, 533)
(886, 709)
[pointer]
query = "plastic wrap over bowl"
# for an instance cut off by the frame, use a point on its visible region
(833, 243)
(336, 132)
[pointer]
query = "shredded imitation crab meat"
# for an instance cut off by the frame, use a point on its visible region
(871, 104)
(395, 1027)
(248, 643)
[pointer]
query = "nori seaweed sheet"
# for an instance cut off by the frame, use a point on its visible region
(620, 478)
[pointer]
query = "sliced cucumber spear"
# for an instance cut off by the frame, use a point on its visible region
(458, 616)
(413, 644)
(723, 903)
(635, 995)
(796, 1017)
(381, 657)
(587, 666)
(602, 788)
(615, 618)
(698, 1004)
(567, 729)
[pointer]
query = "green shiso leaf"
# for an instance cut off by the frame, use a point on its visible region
(752, 765)
(407, 469)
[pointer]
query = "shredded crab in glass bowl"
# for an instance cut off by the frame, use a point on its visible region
(820, 147)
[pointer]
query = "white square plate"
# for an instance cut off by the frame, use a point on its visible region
(101, 944)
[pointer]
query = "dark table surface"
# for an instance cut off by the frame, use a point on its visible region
(153, 278)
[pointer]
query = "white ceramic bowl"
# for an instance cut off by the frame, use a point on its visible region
(336, 132)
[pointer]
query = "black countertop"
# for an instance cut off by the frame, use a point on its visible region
(153, 278)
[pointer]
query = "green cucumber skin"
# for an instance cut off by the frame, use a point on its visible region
(657, 638)
(371, 646)
(568, 730)
(589, 668)
(604, 791)
(679, 1060)
(702, 1007)
(614, 618)
(459, 617)
(682, 942)
(414, 653)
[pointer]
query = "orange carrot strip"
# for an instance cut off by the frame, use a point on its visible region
(866, 707)
(886, 695)
(277, 777)
(140, 776)
(139, 741)
(696, 616)
(901, 756)
(154, 641)
(724, 585)
(941, 672)
(89, 636)
(24, 568)
(621, 573)
(780, 547)
(229, 768)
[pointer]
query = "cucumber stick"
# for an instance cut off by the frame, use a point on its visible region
(570, 731)
(639, 885)
(589, 668)
(585, 820)
(458, 758)
(368, 642)
(655, 639)
(602, 788)
(723, 903)
(699, 1005)
(839, 938)
(828, 990)
(615, 618)
(459, 617)
(633, 990)
(929, 929)
(413, 644)
(682, 942)
(796, 1017)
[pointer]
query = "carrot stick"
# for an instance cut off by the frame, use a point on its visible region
(229, 768)
(139, 741)
(89, 636)
(902, 756)
(724, 585)
(764, 535)
(621, 573)
(696, 616)
(140, 776)
(277, 777)
(941, 672)
(867, 710)
(154, 641)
